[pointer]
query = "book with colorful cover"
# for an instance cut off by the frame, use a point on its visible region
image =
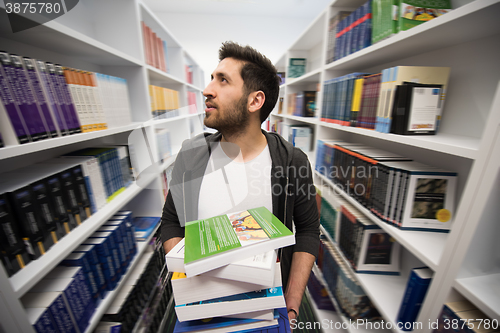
(416, 12)
(265, 299)
(214, 242)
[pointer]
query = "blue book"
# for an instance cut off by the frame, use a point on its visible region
(366, 26)
(266, 299)
(144, 226)
(416, 289)
(231, 324)
(283, 324)
(356, 29)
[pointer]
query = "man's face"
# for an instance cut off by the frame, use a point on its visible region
(226, 103)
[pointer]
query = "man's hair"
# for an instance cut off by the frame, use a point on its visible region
(257, 72)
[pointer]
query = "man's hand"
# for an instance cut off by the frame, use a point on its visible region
(169, 244)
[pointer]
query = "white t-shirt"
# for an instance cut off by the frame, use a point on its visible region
(230, 186)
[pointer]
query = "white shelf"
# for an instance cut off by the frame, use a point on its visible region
(466, 23)
(158, 75)
(172, 119)
(462, 146)
(168, 162)
(426, 246)
(110, 297)
(313, 76)
(27, 277)
(32, 147)
(61, 39)
(482, 291)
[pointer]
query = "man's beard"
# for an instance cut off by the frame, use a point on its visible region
(232, 121)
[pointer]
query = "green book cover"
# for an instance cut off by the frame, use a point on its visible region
(219, 234)
(415, 12)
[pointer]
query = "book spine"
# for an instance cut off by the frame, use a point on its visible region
(59, 204)
(415, 292)
(46, 210)
(23, 206)
(62, 317)
(9, 108)
(67, 98)
(73, 210)
(49, 92)
(27, 102)
(40, 101)
(54, 83)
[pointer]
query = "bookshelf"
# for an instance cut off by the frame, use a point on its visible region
(467, 39)
(93, 37)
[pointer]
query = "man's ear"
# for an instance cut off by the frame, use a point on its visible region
(256, 100)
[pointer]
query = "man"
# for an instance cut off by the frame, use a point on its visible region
(242, 167)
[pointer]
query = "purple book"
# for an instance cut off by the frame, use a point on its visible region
(26, 99)
(67, 97)
(40, 97)
(55, 106)
(10, 104)
(56, 85)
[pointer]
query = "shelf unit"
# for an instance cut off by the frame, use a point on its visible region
(93, 37)
(466, 260)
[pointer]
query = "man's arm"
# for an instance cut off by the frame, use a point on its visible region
(302, 263)
(170, 243)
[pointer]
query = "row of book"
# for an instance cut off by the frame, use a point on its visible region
(143, 296)
(376, 20)
(43, 202)
(155, 49)
(101, 101)
(405, 100)
(164, 102)
(302, 104)
(300, 136)
(66, 298)
(406, 194)
(464, 317)
(41, 100)
(343, 285)
(224, 279)
(349, 32)
(363, 243)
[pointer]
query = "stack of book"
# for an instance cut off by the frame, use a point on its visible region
(155, 49)
(164, 102)
(406, 100)
(218, 278)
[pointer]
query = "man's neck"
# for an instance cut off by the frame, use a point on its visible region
(245, 145)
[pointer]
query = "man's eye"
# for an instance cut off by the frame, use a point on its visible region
(223, 79)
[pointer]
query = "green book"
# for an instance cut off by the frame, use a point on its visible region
(415, 12)
(218, 241)
(297, 67)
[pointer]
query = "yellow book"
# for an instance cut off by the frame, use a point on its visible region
(356, 101)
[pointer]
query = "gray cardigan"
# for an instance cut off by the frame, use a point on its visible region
(294, 195)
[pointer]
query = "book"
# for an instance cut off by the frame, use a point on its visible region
(416, 12)
(224, 324)
(221, 240)
(258, 269)
(270, 298)
(14, 254)
(297, 67)
(416, 109)
(203, 287)
(332, 32)
(416, 289)
(385, 19)
(301, 137)
(144, 226)
(417, 74)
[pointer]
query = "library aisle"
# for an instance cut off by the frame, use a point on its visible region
(95, 107)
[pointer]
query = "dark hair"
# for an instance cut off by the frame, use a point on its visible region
(257, 72)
